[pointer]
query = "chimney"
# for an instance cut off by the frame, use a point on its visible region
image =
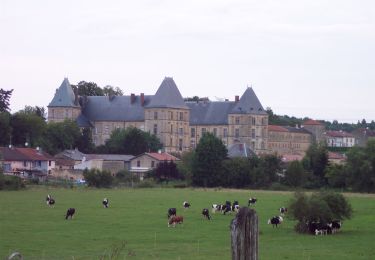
(142, 99)
(237, 98)
(132, 98)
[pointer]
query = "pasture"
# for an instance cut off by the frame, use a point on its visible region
(136, 222)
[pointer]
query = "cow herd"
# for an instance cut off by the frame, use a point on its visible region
(313, 227)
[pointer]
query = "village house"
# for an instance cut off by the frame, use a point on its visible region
(26, 162)
(339, 139)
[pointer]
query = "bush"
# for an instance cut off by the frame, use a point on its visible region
(323, 207)
(10, 182)
(97, 178)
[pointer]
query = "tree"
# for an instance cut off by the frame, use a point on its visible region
(5, 128)
(208, 156)
(315, 162)
(27, 127)
(132, 141)
(60, 136)
(112, 91)
(166, 171)
(361, 167)
(267, 167)
(4, 100)
(295, 174)
(236, 173)
(84, 142)
(323, 207)
(337, 176)
(29, 110)
(88, 89)
(185, 165)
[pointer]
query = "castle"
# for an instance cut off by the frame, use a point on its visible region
(178, 124)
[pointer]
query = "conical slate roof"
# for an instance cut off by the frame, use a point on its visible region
(248, 104)
(64, 96)
(167, 96)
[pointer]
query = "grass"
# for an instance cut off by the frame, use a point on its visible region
(135, 226)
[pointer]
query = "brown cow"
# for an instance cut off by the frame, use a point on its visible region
(173, 220)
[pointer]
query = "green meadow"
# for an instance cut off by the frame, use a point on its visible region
(135, 226)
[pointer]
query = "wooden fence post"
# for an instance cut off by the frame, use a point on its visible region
(244, 234)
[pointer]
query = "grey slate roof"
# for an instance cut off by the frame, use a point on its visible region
(82, 121)
(240, 150)
(209, 113)
(117, 108)
(249, 104)
(64, 96)
(110, 157)
(167, 96)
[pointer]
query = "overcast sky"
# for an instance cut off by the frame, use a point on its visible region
(303, 58)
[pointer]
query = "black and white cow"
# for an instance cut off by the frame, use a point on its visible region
(171, 212)
(252, 201)
(227, 207)
(217, 207)
(206, 214)
(276, 220)
(105, 203)
(70, 212)
(186, 205)
(283, 211)
(318, 228)
(336, 225)
(235, 206)
(49, 200)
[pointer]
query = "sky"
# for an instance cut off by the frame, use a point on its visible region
(303, 58)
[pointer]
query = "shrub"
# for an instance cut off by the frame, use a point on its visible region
(10, 182)
(97, 178)
(323, 207)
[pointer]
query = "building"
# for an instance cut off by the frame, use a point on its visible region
(286, 140)
(316, 128)
(362, 135)
(26, 162)
(178, 124)
(339, 139)
(148, 161)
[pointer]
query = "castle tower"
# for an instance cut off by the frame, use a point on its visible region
(167, 116)
(64, 104)
(248, 122)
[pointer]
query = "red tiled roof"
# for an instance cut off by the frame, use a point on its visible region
(338, 134)
(163, 156)
(24, 154)
(312, 122)
(277, 128)
(337, 156)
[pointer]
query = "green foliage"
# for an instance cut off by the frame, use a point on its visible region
(112, 91)
(5, 128)
(85, 143)
(4, 100)
(295, 174)
(185, 166)
(29, 110)
(60, 136)
(323, 207)
(315, 162)
(131, 141)
(166, 171)
(206, 165)
(236, 173)
(337, 176)
(27, 127)
(97, 178)
(361, 167)
(88, 89)
(265, 172)
(10, 182)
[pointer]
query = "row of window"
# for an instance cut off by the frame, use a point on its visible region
(179, 115)
(252, 120)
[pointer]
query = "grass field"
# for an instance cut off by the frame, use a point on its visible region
(137, 220)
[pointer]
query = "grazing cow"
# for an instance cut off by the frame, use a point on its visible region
(171, 212)
(336, 225)
(49, 200)
(105, 203)
(173, 220)
(276, 220)
(319, 228)
(70, 212)
(235, 206)
(186, 205)
(217, 207)
(227, 207)
(252, 201)
(206, 214)
(283, 211)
